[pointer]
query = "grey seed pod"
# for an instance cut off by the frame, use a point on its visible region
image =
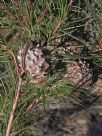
(31, 60)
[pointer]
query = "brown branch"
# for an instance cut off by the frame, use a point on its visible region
(10, 52)
(21, 14)
(42, 15)
(33, 103)
(11, 118)
(58, 26)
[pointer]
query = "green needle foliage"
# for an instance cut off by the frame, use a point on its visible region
(43, 21)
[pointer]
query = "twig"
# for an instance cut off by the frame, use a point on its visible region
(43, 14)
(10, 52)
(58, 26)
(21, 14)
(11, 118)
(33, 103)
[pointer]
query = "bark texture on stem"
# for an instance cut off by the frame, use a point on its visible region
(14, 108)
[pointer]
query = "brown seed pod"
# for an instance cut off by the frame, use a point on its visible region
(80, 74)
